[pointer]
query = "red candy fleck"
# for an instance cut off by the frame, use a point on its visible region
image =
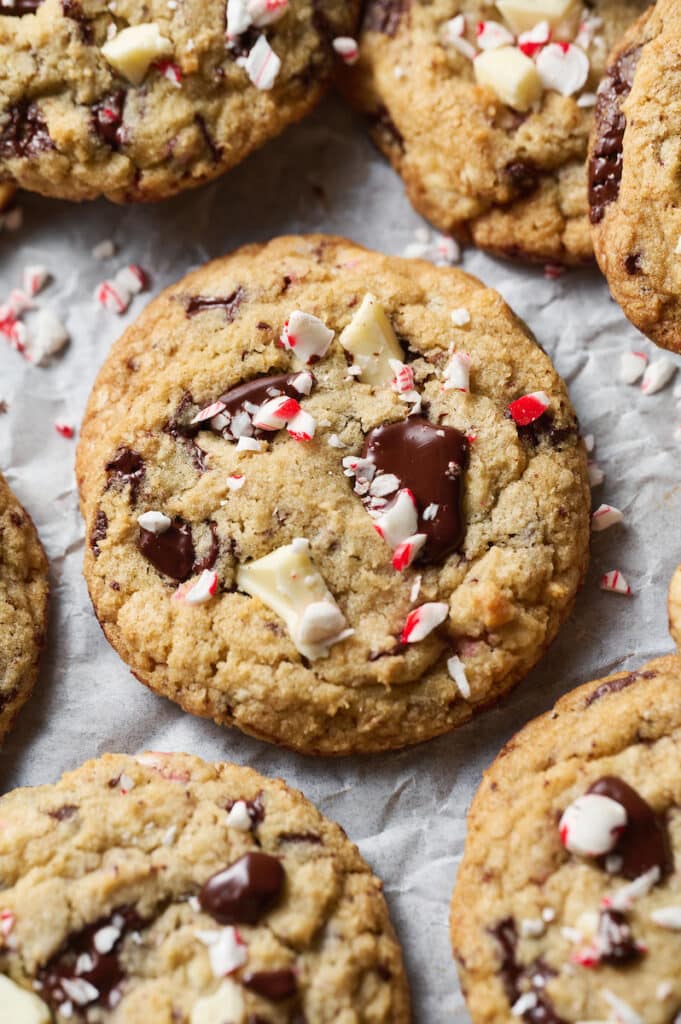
(64, 429)
(528, 408)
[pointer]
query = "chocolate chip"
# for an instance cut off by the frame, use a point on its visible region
(230, 303)
(25, 133)
(126, 467)
(73, 10)
(523, 175)
(615, 685)
(632, 263)
(107, 118)
(64, 813)
(272, 985)
(605, 166)
(518, 979)
(245, 891)
(385, 15)
(386, 133)
(215, 150)
(99, 531)
(171, 552)
(299, 837)
(615, 939)
(644, 843)
(545, 429)
(430, 462)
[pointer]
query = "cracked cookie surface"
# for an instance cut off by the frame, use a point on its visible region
(512, 182)
(567, 906)
(160, 889)
(76, 126)
(23, 606)
(494, 556)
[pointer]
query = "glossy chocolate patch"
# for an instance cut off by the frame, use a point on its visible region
(229, 303)
(429, 461)
(245, 891)
(126, 467)
(605, 165)
(615, 685)
(25, 133)
(517, 979)
(644, 843)
(171, 552)
(272, 985)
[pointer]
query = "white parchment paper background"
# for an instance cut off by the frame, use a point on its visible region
(406, 811)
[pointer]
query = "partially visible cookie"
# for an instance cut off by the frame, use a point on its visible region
(140, 100)
(498, 160)
(567, 905)
(7, 193)
(385, 432)
(23, 605)
(160, 889)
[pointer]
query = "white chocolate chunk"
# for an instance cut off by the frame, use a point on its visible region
(511, 75)
(562, 15)
(19, 1006)
(133, 50)
(370, 339)
(288, 582)
(239, 818)
(227, 1004)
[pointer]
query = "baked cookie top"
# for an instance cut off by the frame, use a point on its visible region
(160, 889)
(382, 431)
(634, 189)
(485, 111)
(137, 101)
(567, 904)
(23, 605)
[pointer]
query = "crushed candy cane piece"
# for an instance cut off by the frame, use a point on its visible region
(225, 1004)
(306, 336)
(604, 517)
(7, 922)
(531, 42)
(347, 49)
(460, 316)
(657, 375)
(529, 408)
(64, 429)
(625, 897)
(276, 413)
(591, 825)
(615, 582)
(132, 279)
(632, 366)
(226, 950)
(492, 34)
(302, 426)
(596, 474)
(113, 297)
(667, 917)
(236, 481)
(170, 70)
(623, 1012)
(452, 34)
(104, 250)
(423, 620)
(126, 783)
(209, 413)
(262, 64)
(46, 338)
(154, 522)
(202, 590)
(458, 372)
(587, 100)
(399, 522)
(525, 1003)
(457, 672)
(447, 251)
(407, 551)
(34, 279)
(563, 67)
(249, 444)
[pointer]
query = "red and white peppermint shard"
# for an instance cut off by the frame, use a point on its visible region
(347, 49)
(302, 426)
(404, 377)
(172, 71)
(226, 950)
(453, 34)
(7, 922)
(457, 672)
(604, 517)
(113, 297)
(592, 824)
(422, 621)
(264, 12)
(532, 41)
(275, 413)
(632, 366)
(615, 582)
(34, 278)
(529, 408)
(458, 372)
(209, 412)
(407, 551)
(400, 521)
(262, 65)
(132, 279)
(563, 67)
(492, 34)
(306, 336)
(658, 374)
(205, 587)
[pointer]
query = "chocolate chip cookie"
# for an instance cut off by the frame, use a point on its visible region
(485, 111)
(335, 498)
(23, 606)
(138, 101)
(634, 190)
(567, 904)
(159, 888)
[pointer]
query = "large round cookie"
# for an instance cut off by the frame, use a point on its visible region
(501, 505)
(183, 92)
(634, 188)
(159, 889)
(511, 180)
(23, 605)
(567, 905)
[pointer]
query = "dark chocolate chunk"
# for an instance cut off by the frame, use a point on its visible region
(64, 813)
(25, 133)
(632, 263)
(615, 685)
(518, 979)
(523, 175)
(99, 531)
(429, 461)
(299, 837)
(230, 303)
(215, 150)
(245, 891)
(545, 429)
(644, 843)
(171, 552)
(127, 466)
(272, 985)
(605, 165)
(74, 11)
(616, 942)
(385, 15)
(107, 118)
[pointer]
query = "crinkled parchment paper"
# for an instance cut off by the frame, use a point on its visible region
(406, 811)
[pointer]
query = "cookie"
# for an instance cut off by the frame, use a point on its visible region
(139, 101)
(634, 193)
(159, 888)
(486, 114)
(7, 193)
(23, 606)
(566, 906)
(382, 431)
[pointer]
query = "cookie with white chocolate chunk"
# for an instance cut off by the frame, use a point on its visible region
(160, 889)
(334, 498)
(138, 101)
(485, 108)
(567, 905)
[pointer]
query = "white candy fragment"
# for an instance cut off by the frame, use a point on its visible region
(104, 250)
(154, 522)
(106, 938)
(288, 582)
(113, 297)
(596, 474)
(347, 49)
(235, 482)
(492, 34)
(625, 897)
(622, 1012)
(79, 991)
(458, 372)
(238, 817)
(226, 950)
(511, 76)
(200, 592)
(562, 15)
(46, 338)
(632, 366)
(615, 582)
(531, 42)
(457, 672)
(527, 1001)
(604, 517)
(370, 339)
(262, 64)
(34, 279)
(423, 620)
(452, 34)
(20, 1006)
(408, 550)
(404, 377)
(134, 49)
(249, 444)
(306, 336)
(131, 279)
(126, 783)
(460, 316)
(225, 1005)
(563, 67)
(241, 14)
(275, 413)
(400, 521)
(658, 374)
(302, 426)
(667, 917)
(591, 825)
